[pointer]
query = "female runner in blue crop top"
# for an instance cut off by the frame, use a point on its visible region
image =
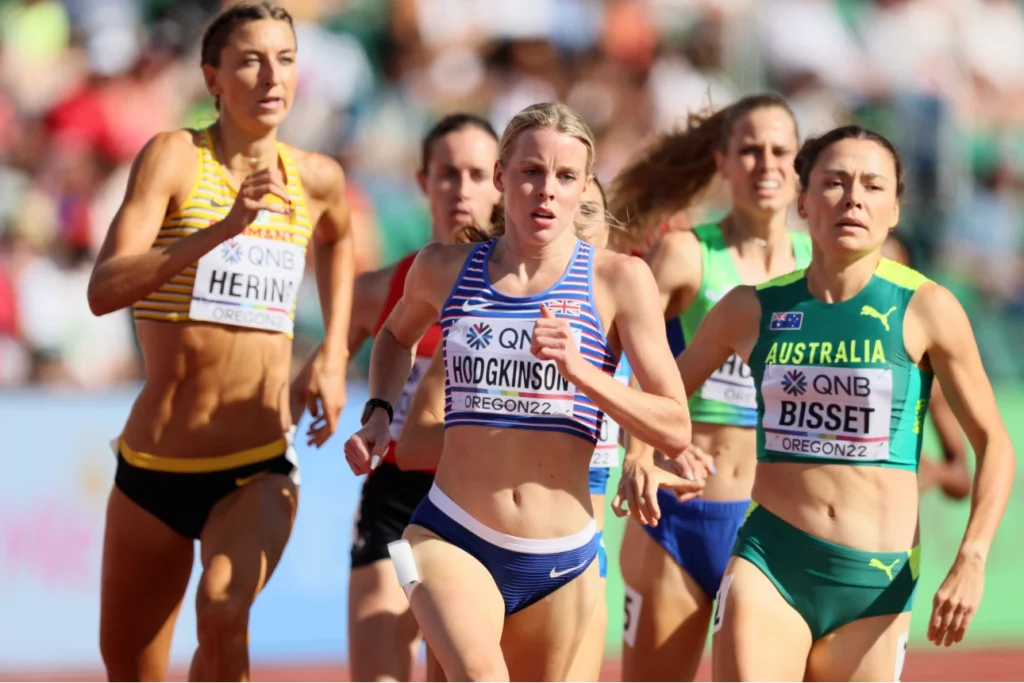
(533, 327)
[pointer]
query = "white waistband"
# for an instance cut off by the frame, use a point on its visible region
(532, 546)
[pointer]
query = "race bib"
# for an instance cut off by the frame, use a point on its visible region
(606, 452)
(419, 368)
(835, 413)
(490, 370)
(732, 384)
(250, 282)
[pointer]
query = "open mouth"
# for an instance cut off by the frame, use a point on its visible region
(272, 103)
(769, 185)
(543, 214)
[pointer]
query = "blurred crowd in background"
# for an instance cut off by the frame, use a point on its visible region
(85, 83)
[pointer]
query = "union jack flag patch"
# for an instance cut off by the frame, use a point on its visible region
(565, 307)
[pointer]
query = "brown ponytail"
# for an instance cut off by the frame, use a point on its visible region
(674, 169)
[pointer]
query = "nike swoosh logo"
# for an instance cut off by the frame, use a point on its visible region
(468, 307)
(555, 573)
(242, 481)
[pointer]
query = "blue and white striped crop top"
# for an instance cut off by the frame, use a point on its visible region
(492, 379)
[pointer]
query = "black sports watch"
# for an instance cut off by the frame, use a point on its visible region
(374, 403)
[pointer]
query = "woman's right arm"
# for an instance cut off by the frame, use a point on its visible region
(952, 475)
(129, 267)
(422, 439)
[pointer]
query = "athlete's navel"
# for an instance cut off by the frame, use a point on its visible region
(831, 511)
(517, 497)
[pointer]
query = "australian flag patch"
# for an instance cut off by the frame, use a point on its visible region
(786, 321)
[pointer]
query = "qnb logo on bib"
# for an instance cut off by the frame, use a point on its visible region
(249, 282)
(490, 370)
(824, 412)
(732, 384)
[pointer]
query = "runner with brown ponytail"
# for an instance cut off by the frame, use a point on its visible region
(673, 567)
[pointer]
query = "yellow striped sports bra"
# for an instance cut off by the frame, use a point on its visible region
(251, 280)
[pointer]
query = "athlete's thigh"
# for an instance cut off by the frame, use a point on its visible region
(458, 608)
(870, 649)
(435, 673)
(146, 568)
(541, 641)
(758, 636)
(666, 613)
(382, 631)
(586, 665)
(244, 538)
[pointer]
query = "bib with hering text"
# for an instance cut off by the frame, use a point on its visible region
(731, 384)
(490, 370)
(249, 281)
(835, 413)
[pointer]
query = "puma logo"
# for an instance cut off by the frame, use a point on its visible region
(872, 313)
(877, 564)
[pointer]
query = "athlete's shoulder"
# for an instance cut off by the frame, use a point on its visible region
(322, 176)
(782, 280)
(675, 254)
(900, 275)
(623, 273)
(164, 163)
(437, 258)
(933, 301)
(678, 242)
(170, 148)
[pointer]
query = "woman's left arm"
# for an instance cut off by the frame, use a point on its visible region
(658, 415)
(334, 261)
(946, 337)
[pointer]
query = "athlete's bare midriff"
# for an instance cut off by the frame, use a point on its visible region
(867, 508)
(210, 390)
(518, 482)
(734, 451)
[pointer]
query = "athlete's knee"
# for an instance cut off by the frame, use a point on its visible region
(476, 668)
(129, 664)
(222, 621)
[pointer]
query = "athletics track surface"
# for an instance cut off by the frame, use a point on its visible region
(922, 665)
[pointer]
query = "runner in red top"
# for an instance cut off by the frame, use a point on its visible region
(459, 154)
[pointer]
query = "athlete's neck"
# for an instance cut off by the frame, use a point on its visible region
(243, 153)
(834, 278)
(747, 230)
(512, 255)
(440, 235)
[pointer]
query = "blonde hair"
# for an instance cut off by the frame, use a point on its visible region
(554, 115)
(547, 115)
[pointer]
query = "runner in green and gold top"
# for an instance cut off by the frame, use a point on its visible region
(843, 354)
(672, 570)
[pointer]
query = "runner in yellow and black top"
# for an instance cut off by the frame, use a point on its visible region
(672, 570)
(209, 248)
(843, 355)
